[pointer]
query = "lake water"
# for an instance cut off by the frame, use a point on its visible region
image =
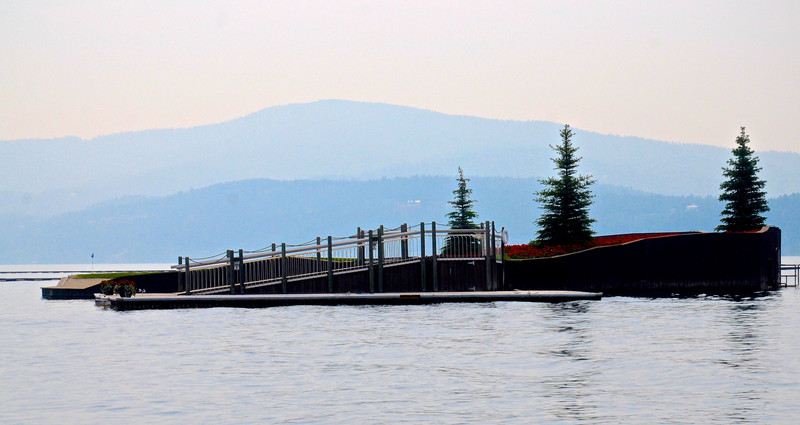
(619, 360)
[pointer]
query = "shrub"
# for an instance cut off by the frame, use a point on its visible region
(124, 288)
(107, 287)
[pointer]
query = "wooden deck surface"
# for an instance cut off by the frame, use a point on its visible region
(161, 301)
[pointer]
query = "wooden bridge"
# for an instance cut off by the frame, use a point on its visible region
(420, 258)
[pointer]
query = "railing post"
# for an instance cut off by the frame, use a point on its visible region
(360, 235)
(371, 278)
(404, 242)
(330, 263)
(380, 258)
(494, 259)
(284, 267)
(434, 254)
(488, 257)
(180, 275)
(422, 259)
(188, 277)
(242, 274)
(231, 269)
(503, 259)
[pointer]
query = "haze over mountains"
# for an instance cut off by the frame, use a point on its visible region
(348, 140)
(252, 214)
(349, 156)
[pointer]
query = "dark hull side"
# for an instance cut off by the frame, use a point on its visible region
(685, 263)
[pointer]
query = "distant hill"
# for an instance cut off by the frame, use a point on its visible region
(254, 213)
(346, 140)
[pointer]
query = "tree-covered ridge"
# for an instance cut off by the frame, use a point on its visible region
(259, 212)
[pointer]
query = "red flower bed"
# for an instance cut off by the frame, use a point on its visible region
(526, 251)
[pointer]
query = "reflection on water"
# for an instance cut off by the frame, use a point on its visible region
(570, 386)
(744, 343)
(620, 360)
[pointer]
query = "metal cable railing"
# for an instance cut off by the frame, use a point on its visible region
(278, 264)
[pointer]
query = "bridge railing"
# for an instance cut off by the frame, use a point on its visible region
(381, 247)
(790, 274)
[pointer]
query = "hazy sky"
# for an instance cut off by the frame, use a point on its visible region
(685, 71)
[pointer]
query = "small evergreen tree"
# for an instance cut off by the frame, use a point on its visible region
(565, 199)
(742, 191)
(462, 217)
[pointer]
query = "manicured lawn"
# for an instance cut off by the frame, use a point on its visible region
(109, 275)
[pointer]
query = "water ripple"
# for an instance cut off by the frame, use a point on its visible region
(619, 360)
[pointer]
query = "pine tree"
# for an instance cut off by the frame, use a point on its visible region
(462, 217)
(565, 200)
(742, 191)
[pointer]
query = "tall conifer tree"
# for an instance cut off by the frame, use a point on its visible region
(742, 190)
(462, 217)
(565, 199)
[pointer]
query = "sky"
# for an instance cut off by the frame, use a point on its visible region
(685, 71)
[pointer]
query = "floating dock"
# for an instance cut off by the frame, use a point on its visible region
(70, 288)
(149, 302)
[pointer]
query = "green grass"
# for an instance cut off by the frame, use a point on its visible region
(110, 275)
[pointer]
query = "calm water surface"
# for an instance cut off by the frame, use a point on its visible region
(620, 360)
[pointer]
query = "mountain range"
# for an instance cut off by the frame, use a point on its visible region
(337, 139)
(298, 171)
